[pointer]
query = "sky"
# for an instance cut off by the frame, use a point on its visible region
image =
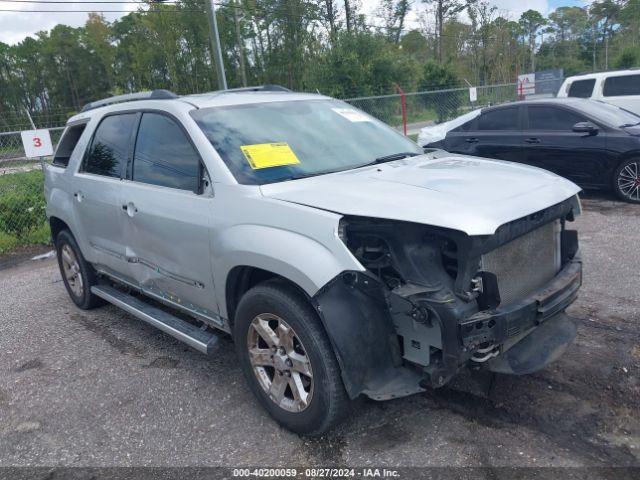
(16, 26)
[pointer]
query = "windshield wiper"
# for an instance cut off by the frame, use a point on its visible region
(629, 125)
(394, 156)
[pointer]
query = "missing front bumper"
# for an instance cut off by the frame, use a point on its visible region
(506, 323)
(538, 349)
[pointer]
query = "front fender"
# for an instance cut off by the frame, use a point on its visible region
(302, 260)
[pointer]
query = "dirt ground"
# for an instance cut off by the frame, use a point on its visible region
(101, 388)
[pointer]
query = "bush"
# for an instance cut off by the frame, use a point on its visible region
(629, 57)
(438, 77)
(22, 210)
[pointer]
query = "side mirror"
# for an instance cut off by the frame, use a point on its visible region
(585, 127)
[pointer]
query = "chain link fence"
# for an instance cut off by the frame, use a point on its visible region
(22, 206)
(437, 106)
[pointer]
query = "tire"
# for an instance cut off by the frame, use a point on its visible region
(274, 304)
(626, 180)
(78, 275)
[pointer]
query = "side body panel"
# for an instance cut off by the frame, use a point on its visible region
(294, 241)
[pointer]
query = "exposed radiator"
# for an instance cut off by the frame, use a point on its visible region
(525, 264)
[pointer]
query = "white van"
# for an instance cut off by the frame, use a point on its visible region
(621, 88)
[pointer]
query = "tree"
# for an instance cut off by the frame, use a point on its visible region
(531, 21)
(444, 10)
(605, 14)
(394, 14)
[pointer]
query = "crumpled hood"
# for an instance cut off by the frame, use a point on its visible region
(464, 193)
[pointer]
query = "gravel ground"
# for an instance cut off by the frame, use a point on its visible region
(101, 388)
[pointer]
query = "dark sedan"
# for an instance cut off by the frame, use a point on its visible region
(594, 144)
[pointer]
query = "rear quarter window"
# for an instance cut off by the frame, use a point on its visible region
(581, 88)
(67, 144)
(622, 85)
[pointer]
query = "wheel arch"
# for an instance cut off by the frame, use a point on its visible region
(57, 225)
(242, 278)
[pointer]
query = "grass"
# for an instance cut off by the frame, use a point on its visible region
(22, 211)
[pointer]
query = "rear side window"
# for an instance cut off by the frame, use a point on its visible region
(621, 86)
(67, 144)
(552, 118)
(110, 146)
(501, 119)
(164, 155)
(582, 88)
(465, 127)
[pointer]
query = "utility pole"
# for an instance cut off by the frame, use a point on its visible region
(216, 52)
(236, 20)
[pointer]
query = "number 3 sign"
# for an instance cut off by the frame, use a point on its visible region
(36, 143)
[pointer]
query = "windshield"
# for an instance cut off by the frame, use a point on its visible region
(608, 114)
(276, 141)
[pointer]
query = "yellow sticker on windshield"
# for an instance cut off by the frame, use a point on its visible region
(265, 155)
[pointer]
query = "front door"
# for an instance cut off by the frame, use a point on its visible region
(166, 218)
(551, 143)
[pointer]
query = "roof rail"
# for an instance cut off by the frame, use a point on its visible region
(158, 94)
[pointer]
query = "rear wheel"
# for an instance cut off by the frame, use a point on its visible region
(626, 181)
(78, 275)
(288, 360)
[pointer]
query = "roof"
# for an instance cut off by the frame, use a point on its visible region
(225, 98)
(239, 96)
(609, 73)
(543, 101)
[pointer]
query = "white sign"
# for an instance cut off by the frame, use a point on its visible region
(526, 84)
(36, 143)
(473, 94)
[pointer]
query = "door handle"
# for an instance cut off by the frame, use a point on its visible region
(532, 140)
(130, 209)
(471, 140)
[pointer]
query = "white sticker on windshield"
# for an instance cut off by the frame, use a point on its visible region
(352, 115)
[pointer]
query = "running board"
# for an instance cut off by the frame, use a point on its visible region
(202, 340)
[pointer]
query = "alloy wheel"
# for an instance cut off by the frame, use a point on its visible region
(71, 270)
(280, 362)
(629, 181)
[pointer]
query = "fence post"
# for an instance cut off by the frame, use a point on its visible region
(403, 105)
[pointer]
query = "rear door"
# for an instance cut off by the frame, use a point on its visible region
(166, 217)
(623, 91)
(496, 133)
(97, 191)
(551, 143)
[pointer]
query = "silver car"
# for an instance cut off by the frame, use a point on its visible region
(342, 259)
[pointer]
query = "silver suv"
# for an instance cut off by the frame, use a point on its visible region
(341, 258)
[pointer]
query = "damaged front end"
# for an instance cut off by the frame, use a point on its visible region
(433, 300)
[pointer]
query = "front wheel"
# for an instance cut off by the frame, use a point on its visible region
(626, 181)
(287, 359)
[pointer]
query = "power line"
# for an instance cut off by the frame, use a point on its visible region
(139, 2)
(173, 10)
